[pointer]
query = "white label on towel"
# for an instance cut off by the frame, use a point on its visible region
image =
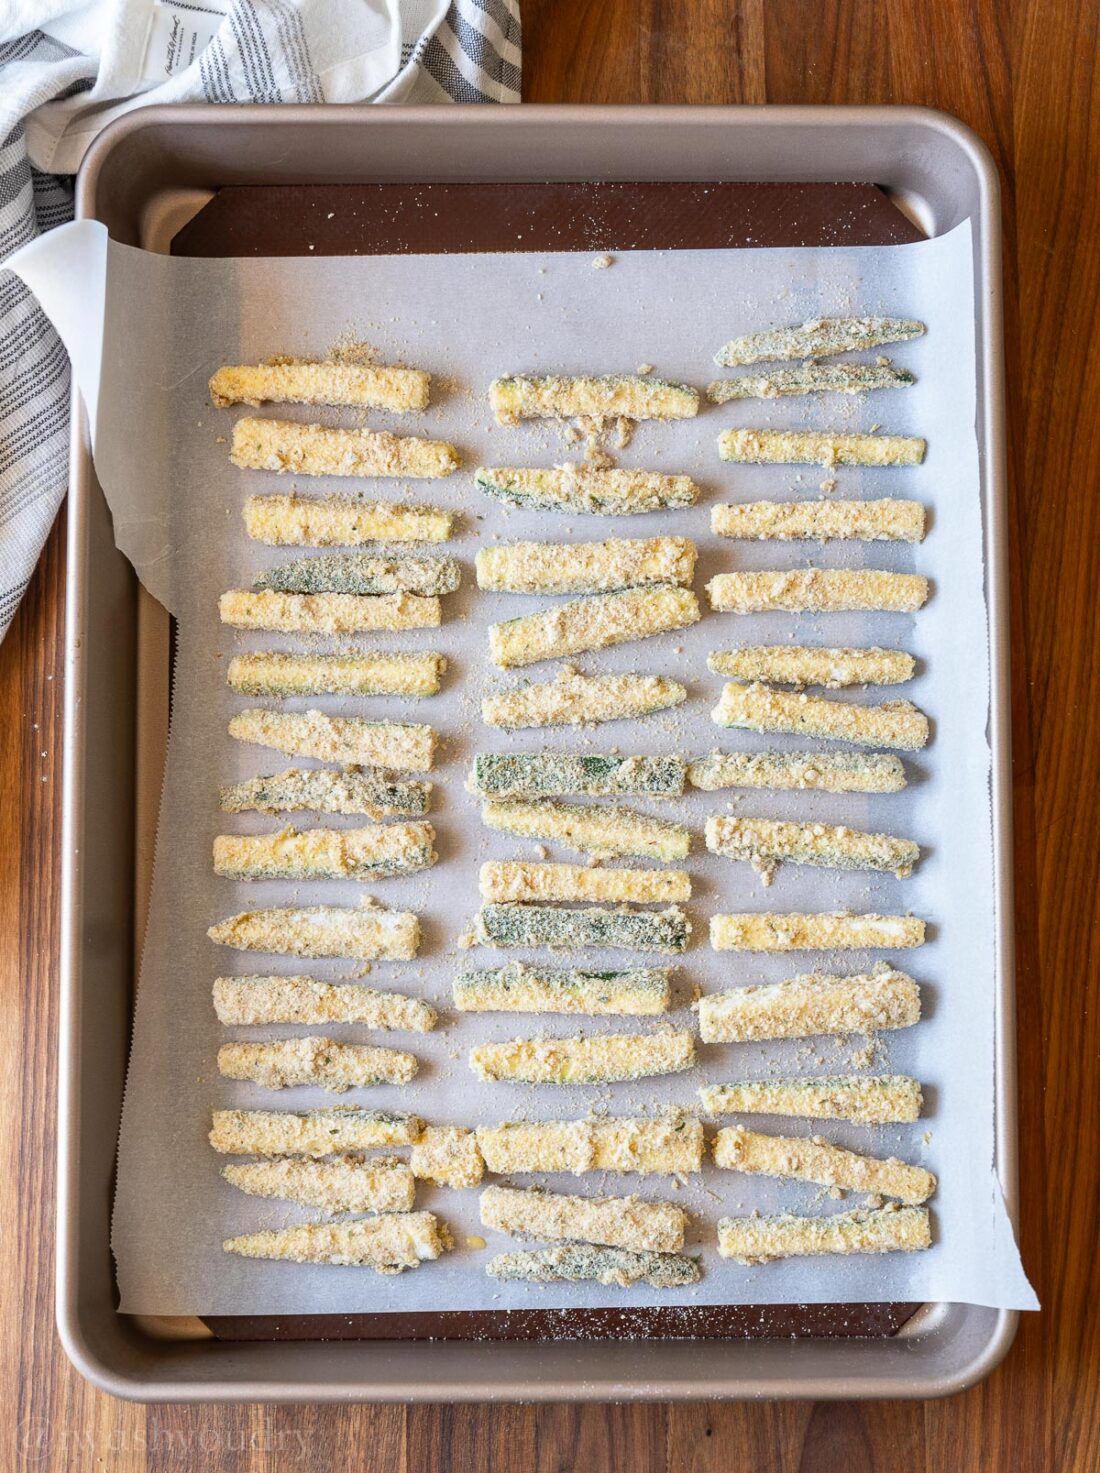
(178, 35)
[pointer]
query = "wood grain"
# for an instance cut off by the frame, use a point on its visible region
(1025, 76)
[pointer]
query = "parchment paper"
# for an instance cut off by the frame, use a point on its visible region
(162, 457)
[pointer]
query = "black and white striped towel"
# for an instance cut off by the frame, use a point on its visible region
(67, 68)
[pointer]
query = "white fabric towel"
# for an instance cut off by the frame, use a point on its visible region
(68, 69)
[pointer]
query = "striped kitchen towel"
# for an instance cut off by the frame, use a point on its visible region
(67, 68)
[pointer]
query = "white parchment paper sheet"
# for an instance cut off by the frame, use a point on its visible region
(162, 456)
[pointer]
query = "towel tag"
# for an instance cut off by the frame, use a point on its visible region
(178, 35)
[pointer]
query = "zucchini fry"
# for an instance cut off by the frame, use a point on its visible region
(785, 521)
(316, 450)
(274, 673)
(612, 1222)
(867, 1099)
(586, 567)
(580, 1262)
(317, 1061)
(367, 932)
(409, 746)
(818, 447)
(548, 925)
(518, 988)
(586, 489)
(671, 1145)
(757, 708)
(605, 831)
(312, 1133)
(828, 772)
(503, 881)
(325, 790)
(839, 932)
(326, 854)
(767, 843)
(753, 1240)
(303, 521)
(247, 1001)
(609, 396)
(817, 591)
(448, 1156)
(607, 1058)
(816, 1160)
(560, 774)
(795, 664)
(809, 1006)
(347, 1184)
(810, 378)
(296, 381)
(592, 623)
(388, 1243)
(818, 338)
(362, 573)
(328, 613)
(571, 700)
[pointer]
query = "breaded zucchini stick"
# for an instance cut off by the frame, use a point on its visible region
(247, 1001)
(586, 489)
(303, 521)
(591, 624)
(580, 1262)
(388, 1243)
(327, 613)
(810, 378)
(324, 790)
(402, 745)
(518, 988)
(818, 447)
(608, 396)
(548, 925)
(867, 1099)
(274, 673)
(808, 1006)
(671, 1145)
(312, 1133)
(607, 831)
(837, 932)
(586, 567)
(316, 450)
(613, 1222)
(818, 338)
(604, 1059)
(757, 708)
(301, 381)
(816, 1160)
(448, 1156)
(571, 700)
(367, 932)
(891, 1229)
(326, 854)
(828, 772)
(785, 521)
(796, 664)
(560, 774)
(767, 843)
(503, 881)
(320, 1061)
(363, 573)
(347, 1184)
(817, 591)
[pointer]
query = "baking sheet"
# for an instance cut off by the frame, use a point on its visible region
(161, 456)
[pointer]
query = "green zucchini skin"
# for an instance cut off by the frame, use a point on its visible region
(362, 572)
(547, 775)
(558, 926)
(638, 991)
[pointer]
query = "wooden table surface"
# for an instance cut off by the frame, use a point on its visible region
(1025, 76)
